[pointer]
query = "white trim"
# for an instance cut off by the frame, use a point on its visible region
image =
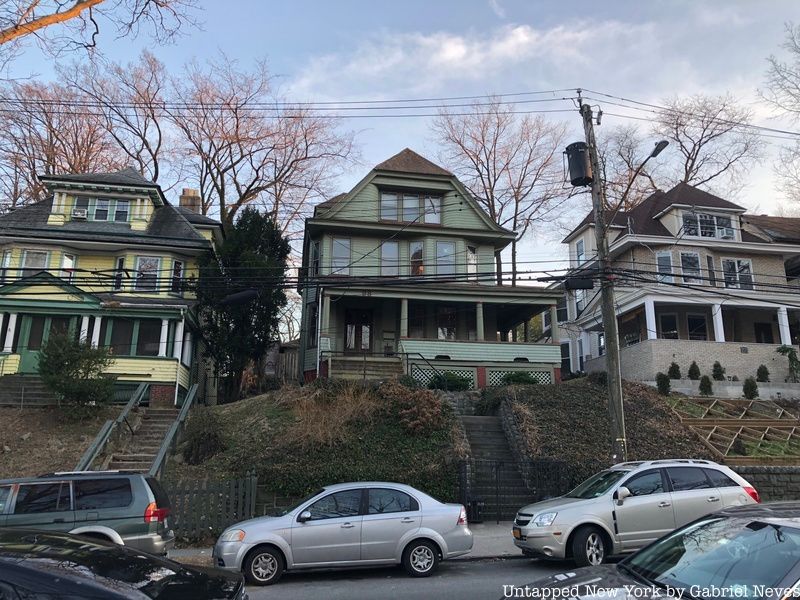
(622, 241)
(697, 279)
(665, 278)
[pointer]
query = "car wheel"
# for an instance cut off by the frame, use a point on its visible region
(589, 547)
(264, 566)
(421, 558)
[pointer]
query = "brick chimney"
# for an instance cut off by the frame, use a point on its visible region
(190, 199)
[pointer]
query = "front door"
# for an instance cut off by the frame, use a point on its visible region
(357, 331)
(333, 534)
(34, 332)
(647, 513)
(763, 333)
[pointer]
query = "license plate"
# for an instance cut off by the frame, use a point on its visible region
(515, 532)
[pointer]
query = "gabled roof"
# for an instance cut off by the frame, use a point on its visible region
(777, 229)
(196, 218)
(126, 176)
(408, 161)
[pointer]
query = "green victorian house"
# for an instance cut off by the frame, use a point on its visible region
(398, 276)
(104, 257)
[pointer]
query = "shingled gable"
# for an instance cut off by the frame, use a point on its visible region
(408, 161)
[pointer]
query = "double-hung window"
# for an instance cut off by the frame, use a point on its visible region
(176, 285)
(101, 209)
(390, 259)
(690, 226)
(34, 261)
(445, 258)
(122, 210)
(314, 263)
(433, 209)
(562, 313)
(119, 273)
(737, 273)
(664, 262)
(580, 252)
(340, 257)
(416, 252)
(410, 208)
(67, 267)
(389, 206)
(147, 268)
(707, 226)
(690, 267)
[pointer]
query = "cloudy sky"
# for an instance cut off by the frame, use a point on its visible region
(356, 50)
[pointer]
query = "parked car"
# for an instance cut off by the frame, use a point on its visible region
(122, 507)
(346, 525)
(626, 507)
(750, 551)
(39, 564)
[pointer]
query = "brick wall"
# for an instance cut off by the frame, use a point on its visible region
(773, 483)
(162, 395)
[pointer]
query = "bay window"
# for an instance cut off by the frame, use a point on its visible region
(390, 259)
(34, 261)
(67, 267)
(472, 262)
(147, 268)
(340, 257)
(176, 285)
(445, 258)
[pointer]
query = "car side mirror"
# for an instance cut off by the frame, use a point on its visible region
(304, 516)
(622, 493)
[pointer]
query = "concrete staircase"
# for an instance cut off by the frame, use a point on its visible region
(496, 479)
(146, 440)
(373, 368)
(24, 390)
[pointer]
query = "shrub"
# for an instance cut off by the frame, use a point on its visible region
(694, 371)
(203, 438)
(735, 378)
(420, 411)
(674, 371)
(489, 402)
(718, 372)
(750, 388)
(598, 378)
(449, 382)
(409, 382)
(762, 374)
(706, 389)
(73, 371)
(519, 378)
(663, 383)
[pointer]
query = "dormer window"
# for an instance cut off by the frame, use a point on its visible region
(411, 208)
(101, 209)
(707, 226)
(81, 208)
(580, 252)
(122, 210)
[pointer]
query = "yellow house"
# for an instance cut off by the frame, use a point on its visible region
(107, 258)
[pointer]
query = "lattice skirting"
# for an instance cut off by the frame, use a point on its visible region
(496, 377)
(424, 376)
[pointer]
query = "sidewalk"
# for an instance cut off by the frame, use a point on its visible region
(490, 541)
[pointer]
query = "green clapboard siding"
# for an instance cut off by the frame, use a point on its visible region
(483, 352)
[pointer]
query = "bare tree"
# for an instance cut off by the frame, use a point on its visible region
(510, 164)
(622, 152)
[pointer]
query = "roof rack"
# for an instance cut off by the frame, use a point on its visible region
(665, 461)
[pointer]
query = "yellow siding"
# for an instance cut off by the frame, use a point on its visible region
(9, 364)
(49, 292)
(183, 376)
(145, 369)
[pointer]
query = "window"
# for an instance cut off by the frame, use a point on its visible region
(724, 228)
(546, 319)
(81, 204)
(562, 314)
(690, 224)
(95, 494)
(119, 273)
(446, 323)
(433, 209)
(410, 208)
(390, 259)
(67, 267)
(6, 264)
(122, 210)
(580, 300)
(314, 263)
(416, 320)
(668, 323)
(580, 355)
(121, 337)
(176, 285)
(383, 501)
(472, 262)
(340, 259)
(445, 258)
(313, 318)
(738, 273)
(687, 478)
(340, 504)
(697, 327)
(719, 479)
(416, 251)
(601, 344)
(33, 261)
(645, 484)
(566, 359)
(690, 267)
(101, 209)
(708, 226)
(580, 252)
(664, 263)
(147, 268)
(389, 206)
(149, 337)
(5, 494)
(41, 498)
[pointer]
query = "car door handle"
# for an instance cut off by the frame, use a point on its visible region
(664, 504)
(347, 525)
(713, 499)
(406, 520)
(58, 520)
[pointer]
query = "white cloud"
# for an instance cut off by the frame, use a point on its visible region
(497, 8)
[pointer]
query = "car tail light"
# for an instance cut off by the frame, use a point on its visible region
(462, 517)
(153, 514)
(753, 493)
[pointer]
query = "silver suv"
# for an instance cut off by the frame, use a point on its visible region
(626, 507)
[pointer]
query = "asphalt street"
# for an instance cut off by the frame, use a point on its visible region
(457, 579)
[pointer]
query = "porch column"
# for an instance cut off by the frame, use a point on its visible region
(783, 326)
(98, 320)
(162, 340)
(84, 328)
(187, 348)
(554, 333)
(650, 319)
(479, 321)
(403, 318)
(719, 326)
(10, 330)
(178, 348)
(325, 317)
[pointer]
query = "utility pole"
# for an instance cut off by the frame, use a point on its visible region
(616, 410)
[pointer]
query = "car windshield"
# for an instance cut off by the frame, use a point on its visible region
(296, 505)
(735, 557)
(597, 485)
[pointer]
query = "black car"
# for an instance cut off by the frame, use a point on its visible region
(57, 566)
(745, 552)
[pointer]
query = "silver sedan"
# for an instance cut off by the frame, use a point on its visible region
(346, 525)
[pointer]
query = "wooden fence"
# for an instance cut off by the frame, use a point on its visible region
(201, 509)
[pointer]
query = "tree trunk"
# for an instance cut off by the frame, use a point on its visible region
(498, 261)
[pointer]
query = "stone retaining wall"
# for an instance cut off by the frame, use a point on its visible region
(773, 483)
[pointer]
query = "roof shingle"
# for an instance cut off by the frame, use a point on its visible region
(408, 161)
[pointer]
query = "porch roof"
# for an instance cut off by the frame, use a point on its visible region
(456, 292)
(483, 352)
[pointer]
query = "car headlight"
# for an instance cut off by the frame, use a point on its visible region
(232, 535)
(544, 519)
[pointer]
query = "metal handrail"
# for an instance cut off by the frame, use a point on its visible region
(101, 439)
(171, 438)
